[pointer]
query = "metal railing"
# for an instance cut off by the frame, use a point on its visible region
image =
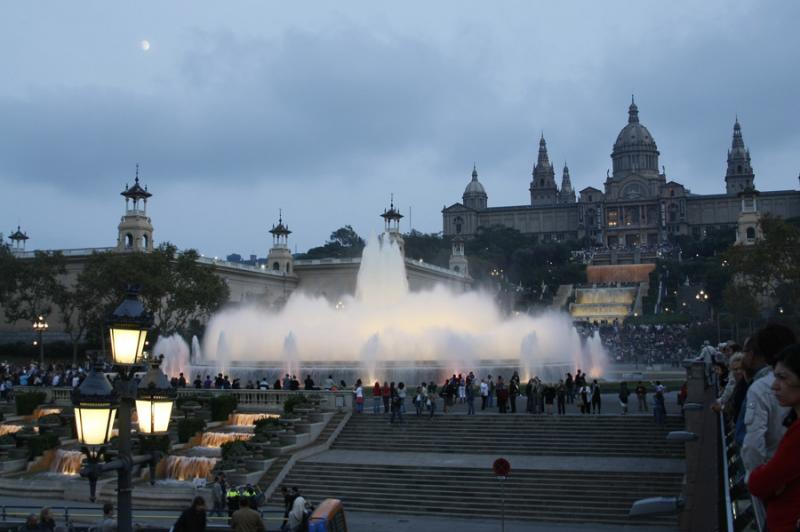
(742, 511)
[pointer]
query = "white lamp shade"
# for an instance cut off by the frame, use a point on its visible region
(94, 423)
(127, 344)
(154, 415)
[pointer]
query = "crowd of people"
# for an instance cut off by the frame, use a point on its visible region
(32, 374)
(644, 344)
(539, 397)
(760, 400)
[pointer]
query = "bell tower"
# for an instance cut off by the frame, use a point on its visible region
(135, 229)
(391, 220)
(279, 258)
(458, 260)
(739, 176)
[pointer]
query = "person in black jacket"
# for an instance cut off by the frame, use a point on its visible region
(193, 519)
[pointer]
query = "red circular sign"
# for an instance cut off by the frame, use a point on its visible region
(501, 467)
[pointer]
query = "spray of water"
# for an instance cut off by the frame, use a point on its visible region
(386, 323)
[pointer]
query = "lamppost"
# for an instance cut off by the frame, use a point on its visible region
(39, 327)
(97, 403)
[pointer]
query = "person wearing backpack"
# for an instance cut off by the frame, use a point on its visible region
(298, 517)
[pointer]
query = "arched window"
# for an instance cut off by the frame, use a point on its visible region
(751, 233)
(541, 182)
(673, 213)
(456, 269)
(288, 268)
(145, 241)
(739, 169)
(128, 241)
(458, 224)
(276, 266)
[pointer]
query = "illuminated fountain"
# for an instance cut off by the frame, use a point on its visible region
(10, 429)
(216, 439)
(189, 467)
(45, 411)
(386, 332)
(248, 420)
(67, 462)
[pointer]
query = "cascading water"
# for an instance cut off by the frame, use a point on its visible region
(189, 467)
(196, 354)
(9, 429)
(67, 462)
(216, 439)
(385, 328)
(44, 411)
(245, 420)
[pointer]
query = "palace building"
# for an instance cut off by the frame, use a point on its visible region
(638, 208)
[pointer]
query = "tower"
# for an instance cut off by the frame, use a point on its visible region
(543, 185)
(567, 193)
(475, 195)
(748, 227)
(739, 175)
(391, 220)
(135, 228)
(458, 261)
(279, 258)
(18, 239)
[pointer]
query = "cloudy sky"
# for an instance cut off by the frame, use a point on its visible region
(323, 109)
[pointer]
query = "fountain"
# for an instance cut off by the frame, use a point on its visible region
(189, 467)
(216, 439)
(386, 332)
(176, 356)
(45, 411)
(248, 420)
(195, 353)
(10, 429)
(67, 462)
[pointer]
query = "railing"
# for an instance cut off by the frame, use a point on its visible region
(331, 400)
(742, 511)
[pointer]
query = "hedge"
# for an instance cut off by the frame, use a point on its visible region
(41, 443)
(292, 402)
(28, 401)
(188, 427)
(222, 406)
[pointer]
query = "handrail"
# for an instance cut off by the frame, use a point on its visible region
(729, 518)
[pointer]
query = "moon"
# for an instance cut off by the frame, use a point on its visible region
(144, 45)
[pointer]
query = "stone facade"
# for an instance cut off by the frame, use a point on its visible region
(638, 207)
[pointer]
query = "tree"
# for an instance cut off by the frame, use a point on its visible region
(31, 285)
(344, 243)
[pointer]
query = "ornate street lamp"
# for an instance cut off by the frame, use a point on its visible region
(95, 409)
(128, 327)
(96, 404)
(39, 327)
(154, 400)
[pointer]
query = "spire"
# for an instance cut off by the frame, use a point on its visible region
(474, 172)
(738, 141)
(137, 172)
(543, 159)
(633, 112)
(566, 183)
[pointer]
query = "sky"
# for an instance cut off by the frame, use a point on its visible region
(326, 109)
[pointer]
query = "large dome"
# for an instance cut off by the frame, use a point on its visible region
(474, 187)
(635, 149)
(475, 195)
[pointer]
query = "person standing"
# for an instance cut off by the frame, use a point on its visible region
(430, 402)
(245, 519)
(561, 398)
(763, 416)
(469, 392)
(386, 394)
(569, 387)
(359, 393)
(109, 522)
(659, 408)
(777, 482)
(596, 400)
(624, 394)
(502, 395)
(641, 396)
(484, 394)
(513, 392)
(583, 395)
(394, 397)
(549, 395)
(401, 393)
(490, 399)
(193, 518)
(297, 515)
(46, 520)
(217, 497)
(376, 398)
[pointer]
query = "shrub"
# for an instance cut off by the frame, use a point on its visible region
(222, 406)
(233, 449)
(27, 402)
(292, 402)
(267, 422)
(189, 427)
(41, 443)
(155, 443)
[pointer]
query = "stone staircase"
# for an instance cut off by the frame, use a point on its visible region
(617, 436)
(537, 495)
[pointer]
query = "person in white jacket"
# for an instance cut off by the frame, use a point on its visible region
(297, 512)
(763, 416)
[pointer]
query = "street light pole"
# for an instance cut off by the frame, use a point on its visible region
(40, 326)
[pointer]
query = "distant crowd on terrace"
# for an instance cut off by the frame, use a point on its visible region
(644, 344)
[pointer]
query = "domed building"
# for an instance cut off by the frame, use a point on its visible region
(638, 208)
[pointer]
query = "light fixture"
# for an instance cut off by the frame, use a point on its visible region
(128, 327)
(95, 409)
(154, 400)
